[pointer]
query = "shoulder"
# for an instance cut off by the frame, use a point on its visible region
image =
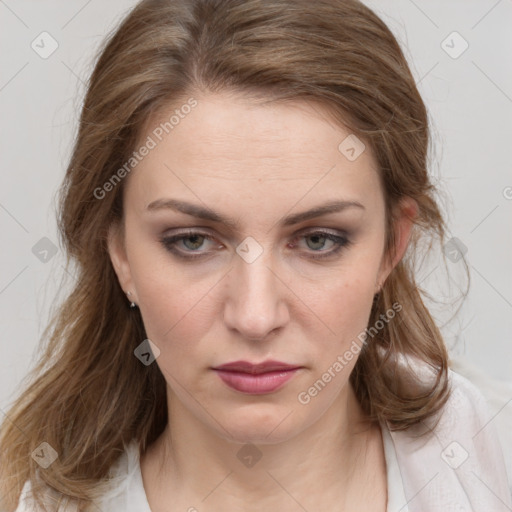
(466, 416)
(51, 500)
(24, 503)
(126, 489)
(124, 482)
(454, 459)
(466, 408)
(498, 394)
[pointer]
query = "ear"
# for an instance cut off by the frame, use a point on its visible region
(118, 257)
(404, 222)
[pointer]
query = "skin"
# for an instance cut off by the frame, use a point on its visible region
(254, 165)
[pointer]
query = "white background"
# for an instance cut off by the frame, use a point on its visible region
(469, 99)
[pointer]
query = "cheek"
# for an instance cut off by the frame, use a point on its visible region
(346, 314)
(173, 316)
(175, 307)
(178, 323)
(344, 305)
(344, 302)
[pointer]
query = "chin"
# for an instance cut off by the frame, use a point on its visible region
(268, 424)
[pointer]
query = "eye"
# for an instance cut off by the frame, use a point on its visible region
(188, 242)
(190, 245)
(317, 241)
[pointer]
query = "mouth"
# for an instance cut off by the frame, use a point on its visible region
(256, 379)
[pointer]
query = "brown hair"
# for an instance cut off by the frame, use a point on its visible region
(89, 395)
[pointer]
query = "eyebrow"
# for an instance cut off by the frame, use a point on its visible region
(209, 214)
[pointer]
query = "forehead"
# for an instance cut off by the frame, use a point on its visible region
(229, 142)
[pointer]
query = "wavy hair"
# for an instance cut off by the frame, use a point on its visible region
(88, 395)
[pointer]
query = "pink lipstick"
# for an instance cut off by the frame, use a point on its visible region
(256, 378)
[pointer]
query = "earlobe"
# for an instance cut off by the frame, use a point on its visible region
(117, 253)
(404, 222)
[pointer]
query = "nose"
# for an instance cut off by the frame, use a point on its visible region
(255, 305)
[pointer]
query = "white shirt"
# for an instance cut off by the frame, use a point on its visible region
(456, 467)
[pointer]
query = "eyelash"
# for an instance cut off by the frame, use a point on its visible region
(169, 243)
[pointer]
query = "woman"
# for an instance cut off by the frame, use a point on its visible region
(244, 202)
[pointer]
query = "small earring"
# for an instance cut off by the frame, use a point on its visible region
(132, 304)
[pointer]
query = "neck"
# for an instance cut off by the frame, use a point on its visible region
(319, 464)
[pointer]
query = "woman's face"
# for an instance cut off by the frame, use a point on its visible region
(257, 275)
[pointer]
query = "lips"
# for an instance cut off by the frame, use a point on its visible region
(256, 368)
(256, 378)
